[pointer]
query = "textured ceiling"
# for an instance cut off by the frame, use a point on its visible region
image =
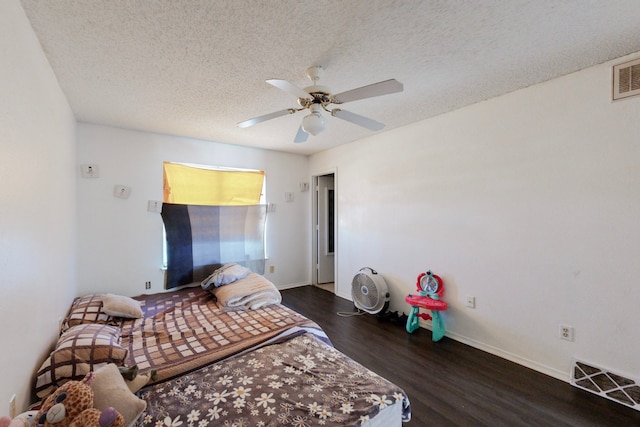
(196, 68)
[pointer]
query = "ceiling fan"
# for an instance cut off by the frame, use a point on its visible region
(317, 98)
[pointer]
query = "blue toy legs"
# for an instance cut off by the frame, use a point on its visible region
(437, 325)
(413, 320)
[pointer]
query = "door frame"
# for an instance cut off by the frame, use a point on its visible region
(314, 222)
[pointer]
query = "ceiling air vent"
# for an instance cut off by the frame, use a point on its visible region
(626, 79)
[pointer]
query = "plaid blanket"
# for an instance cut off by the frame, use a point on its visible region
(184, 330)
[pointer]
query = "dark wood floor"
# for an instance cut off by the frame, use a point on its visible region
(452, 384)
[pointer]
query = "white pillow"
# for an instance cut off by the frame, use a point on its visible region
(121, 306)
(226, 274)
(110, 389)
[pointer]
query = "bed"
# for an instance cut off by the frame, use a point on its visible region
(216, 366)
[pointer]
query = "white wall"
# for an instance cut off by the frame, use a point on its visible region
(37, 205)
(530, 202)
(120, 242)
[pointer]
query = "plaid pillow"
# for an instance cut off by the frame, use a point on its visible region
(81, 349)
(86, 309)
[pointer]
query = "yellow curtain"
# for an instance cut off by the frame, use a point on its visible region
(189, 185)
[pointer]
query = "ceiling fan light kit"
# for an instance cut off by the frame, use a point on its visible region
(314, 123)
(316, 98)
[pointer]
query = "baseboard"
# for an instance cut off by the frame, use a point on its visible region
(343, 296)
(293, 285)
(544, 369)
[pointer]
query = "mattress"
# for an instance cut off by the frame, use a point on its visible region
(186, 329)
(296, 380)
(270, 366)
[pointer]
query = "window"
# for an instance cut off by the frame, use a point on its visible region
(191, 184)
(206, 185)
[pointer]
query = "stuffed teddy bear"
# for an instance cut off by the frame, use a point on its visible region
(95, 418)
(8, 422)
(25, 419)
(72, 405)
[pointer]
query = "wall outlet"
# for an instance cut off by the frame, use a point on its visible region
(147, 285)
(272, 269)
(471, 301)
(566, 332)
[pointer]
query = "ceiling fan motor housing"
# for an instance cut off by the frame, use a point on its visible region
(319, 95)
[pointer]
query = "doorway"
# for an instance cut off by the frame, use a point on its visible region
(324, 220)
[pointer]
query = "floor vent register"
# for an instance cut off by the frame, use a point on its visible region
(603, 382)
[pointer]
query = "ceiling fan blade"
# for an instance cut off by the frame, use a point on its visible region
(290, 88)
(357, 119)
(301, 136)
(259, 119)
(376, 89)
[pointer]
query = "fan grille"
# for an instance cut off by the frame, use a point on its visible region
(369, 292)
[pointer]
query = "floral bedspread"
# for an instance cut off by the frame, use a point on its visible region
(301, 382)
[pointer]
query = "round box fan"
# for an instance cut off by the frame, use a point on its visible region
(369, 291)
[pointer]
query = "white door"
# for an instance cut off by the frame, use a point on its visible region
(325, 228)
